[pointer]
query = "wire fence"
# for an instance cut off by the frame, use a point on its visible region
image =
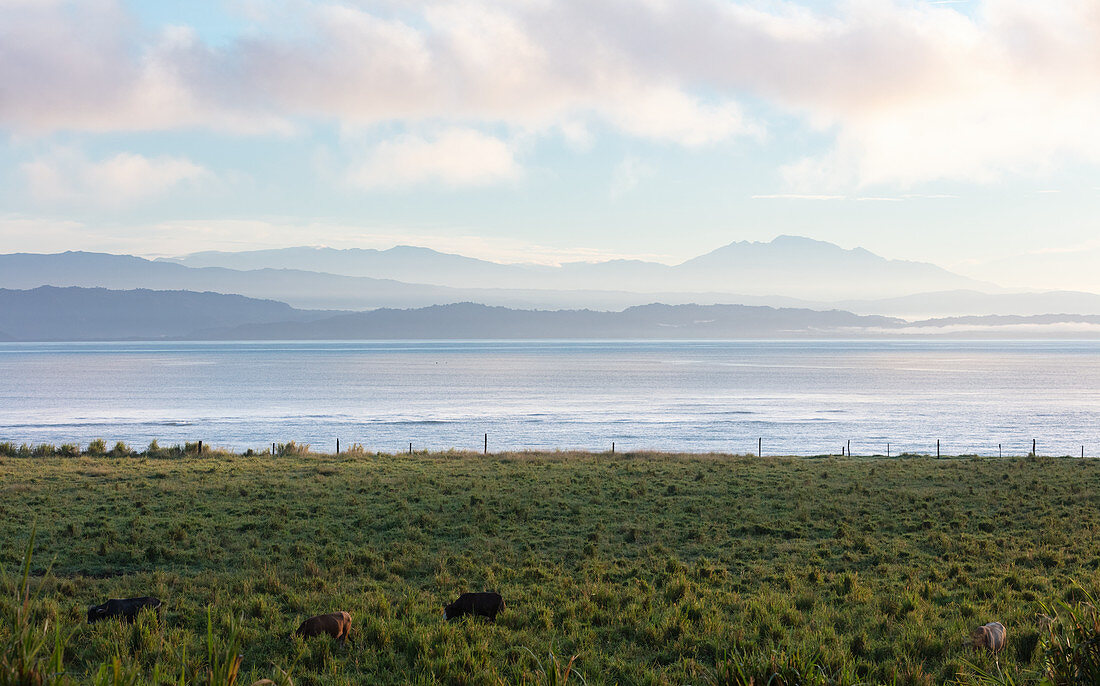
(761, 446)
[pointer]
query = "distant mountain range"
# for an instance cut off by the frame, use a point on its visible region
(50, 313)
(797, 272)
(788, 266)
(311, 290)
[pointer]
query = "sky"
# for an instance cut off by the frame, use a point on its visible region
(959, 132)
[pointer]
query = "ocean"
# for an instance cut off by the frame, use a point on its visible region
(794, 397)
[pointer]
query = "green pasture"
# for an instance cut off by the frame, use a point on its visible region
(648, 568)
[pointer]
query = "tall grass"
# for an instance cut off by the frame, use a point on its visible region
(32, 653)
(1072, 641)
(554, 673)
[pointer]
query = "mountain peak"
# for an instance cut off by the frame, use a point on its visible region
(790, 239)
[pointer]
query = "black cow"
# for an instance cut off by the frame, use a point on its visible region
(126, 608)
(476, 604)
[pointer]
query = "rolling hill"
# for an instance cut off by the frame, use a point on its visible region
(48, 313)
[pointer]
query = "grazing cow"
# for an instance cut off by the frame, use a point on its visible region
(335, 624)
(989, 637)
(127, 608)
(476, 604)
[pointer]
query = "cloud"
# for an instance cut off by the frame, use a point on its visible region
(946, 96)
(453, 158)
(628, 174)
(910, 91)
(861, 198)
(797, 196)
(1052, 329)
(66, 176)
(91, 67)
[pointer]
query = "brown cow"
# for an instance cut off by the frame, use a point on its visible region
(989, 637)
(336, 624)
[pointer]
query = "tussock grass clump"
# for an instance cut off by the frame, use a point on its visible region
(292, 449)
(157, 451)
(44, 450)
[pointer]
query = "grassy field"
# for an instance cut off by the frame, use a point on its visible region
(651, 569)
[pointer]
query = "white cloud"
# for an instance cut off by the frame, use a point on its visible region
(66, 176)
(454, 158)
(862, 198)
(991, 330)
(628, 174)
(668, 113)
(912, 91)
(89, 67)
(797, 196)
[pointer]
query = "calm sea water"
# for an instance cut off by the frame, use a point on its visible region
(798, 397)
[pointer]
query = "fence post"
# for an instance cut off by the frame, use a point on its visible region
(200, 448)
(937, 447)
(760, 447)
(1034, 452)
(273, 449)
(849, 447)
(486, 451)
(612, 447)
(887, 450)
(337, 446)
(410, 448)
